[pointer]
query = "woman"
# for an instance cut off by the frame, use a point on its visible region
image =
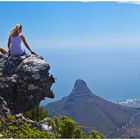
(14, 42)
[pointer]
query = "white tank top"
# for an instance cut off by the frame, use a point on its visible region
(15, 47)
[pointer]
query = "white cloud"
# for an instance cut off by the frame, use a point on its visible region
(129, 2)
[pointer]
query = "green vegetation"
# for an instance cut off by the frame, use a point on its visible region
(37, 114)
(64, 127)
(61, 127)
(95, 134)
(11, 127)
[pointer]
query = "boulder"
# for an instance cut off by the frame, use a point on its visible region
(24, 81)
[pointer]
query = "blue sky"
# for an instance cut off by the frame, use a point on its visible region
(72, 24)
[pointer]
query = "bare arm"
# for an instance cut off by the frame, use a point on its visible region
(26, 44)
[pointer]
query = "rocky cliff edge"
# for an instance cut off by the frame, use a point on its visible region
(24, 82)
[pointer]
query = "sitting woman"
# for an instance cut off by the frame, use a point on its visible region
(14, 42)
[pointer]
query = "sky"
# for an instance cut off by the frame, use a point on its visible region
(90, 40)
(67, 24)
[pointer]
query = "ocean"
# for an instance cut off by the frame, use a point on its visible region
(111, 73)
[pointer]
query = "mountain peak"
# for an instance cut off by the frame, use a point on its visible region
(80, 84)
(92, 111)
(80, 88)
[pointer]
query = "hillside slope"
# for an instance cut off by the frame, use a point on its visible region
(90, 110)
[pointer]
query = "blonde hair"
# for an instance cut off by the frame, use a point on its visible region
(14, 31)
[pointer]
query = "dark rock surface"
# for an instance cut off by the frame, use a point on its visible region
(3, 108)
(24, 81)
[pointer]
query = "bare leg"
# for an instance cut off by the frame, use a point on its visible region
(3, 51)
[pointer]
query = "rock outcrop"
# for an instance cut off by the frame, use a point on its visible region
(24, 81)
(3, 108)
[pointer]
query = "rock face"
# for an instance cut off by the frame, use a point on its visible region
(24, 81)
(91, 111)
(3, 108)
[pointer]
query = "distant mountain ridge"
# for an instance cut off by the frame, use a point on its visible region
(90, 110)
